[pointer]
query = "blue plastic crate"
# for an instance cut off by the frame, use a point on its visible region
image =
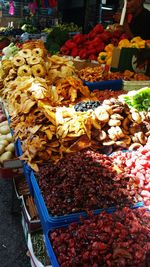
(49, 221)
(50, 250)
(103, 85)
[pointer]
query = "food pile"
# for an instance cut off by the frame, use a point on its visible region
(136, 164)
(65, 131)
(99, 73)
(138, 99)
(105, 57)
(88, 46)
(118, 239)
(7, 147)
(53, 113)
(85, 181)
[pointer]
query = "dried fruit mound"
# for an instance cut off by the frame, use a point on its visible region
(121, 239)
(137, 164)
(107, 94)
(83, 181)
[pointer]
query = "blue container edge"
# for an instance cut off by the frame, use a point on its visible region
(114, 85)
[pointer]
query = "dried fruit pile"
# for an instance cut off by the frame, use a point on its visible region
(113, 240)
(43, 115)
(107, 94)
(83, 181)
(137, 164)
(99, 73)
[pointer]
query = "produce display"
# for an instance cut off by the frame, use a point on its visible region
(100, 74)
(88, 46)
(58, 35)
(106, 94)
(9, 51)
(85, 181)
(29, 28)
(105, 57)
(118, 239)
(74, 140)
(42, 109)
(138, 99)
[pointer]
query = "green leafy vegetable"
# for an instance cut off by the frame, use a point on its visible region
(138, 99)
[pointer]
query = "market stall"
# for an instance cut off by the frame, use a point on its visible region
(75, 139)
(68, 137)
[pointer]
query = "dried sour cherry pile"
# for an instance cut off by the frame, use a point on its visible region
(121, 239)
(84, 180)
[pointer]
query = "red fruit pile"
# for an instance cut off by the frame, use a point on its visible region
(86, 181)
(106, 94)
(88, 46)
(137, 164)
(120, 239)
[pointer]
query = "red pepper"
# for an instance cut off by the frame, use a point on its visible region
(70, 44)
(74, 52)
(91, 51)
(64, 50)
(98, 28)
(78, 38)
(106, 36)
(100, 47)
(83, 53)
(116, 34)
(93, 57)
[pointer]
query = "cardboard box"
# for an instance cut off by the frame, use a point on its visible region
(133, 59)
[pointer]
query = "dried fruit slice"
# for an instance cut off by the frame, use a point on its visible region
(102, 114)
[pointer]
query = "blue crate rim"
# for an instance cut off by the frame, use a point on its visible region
(113, 85)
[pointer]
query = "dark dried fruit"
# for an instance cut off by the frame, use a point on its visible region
(121, 239)
(85, 180)
(84, 106)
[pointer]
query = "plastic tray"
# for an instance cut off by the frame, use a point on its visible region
(50, 222)
(50, 250)
(103, 85)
